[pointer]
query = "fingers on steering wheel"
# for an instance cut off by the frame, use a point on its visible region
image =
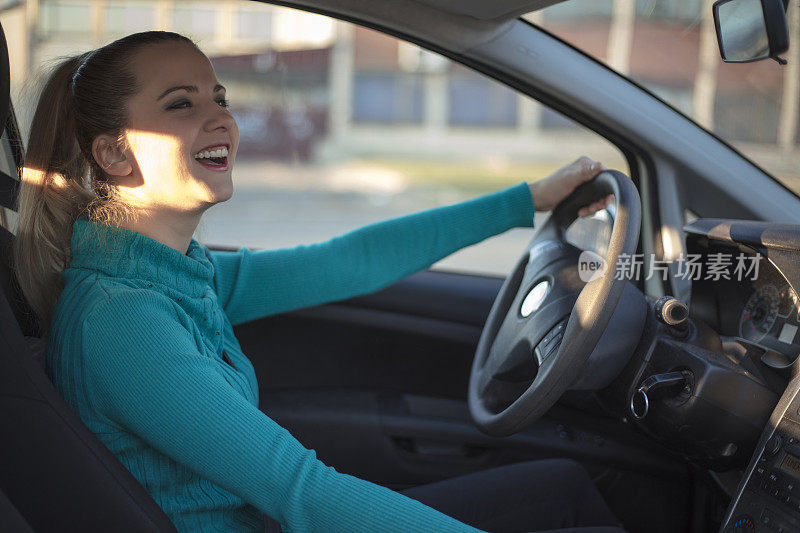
(594, 207)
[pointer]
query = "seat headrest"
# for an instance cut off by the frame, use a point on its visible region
(5, 81)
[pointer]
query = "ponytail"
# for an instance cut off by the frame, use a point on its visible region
(85, 96)
(51, 195)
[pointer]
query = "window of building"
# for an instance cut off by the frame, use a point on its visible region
(121, 18)
(676, 10)
(475, 100)
(63, 18)
(387, 98)
(195, 22)
(253, 23)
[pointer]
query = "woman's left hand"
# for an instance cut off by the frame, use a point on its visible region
(550, 191)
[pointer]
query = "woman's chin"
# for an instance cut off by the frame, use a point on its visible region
(227, 197)
(223, 193)
(218, 188)
(218, 196)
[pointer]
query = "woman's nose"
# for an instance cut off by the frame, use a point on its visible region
(220, 118)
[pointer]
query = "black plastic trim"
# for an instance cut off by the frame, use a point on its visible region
(751, 232)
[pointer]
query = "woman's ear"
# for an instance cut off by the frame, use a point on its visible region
(111, 158)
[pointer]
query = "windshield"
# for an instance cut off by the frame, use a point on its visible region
(670, 47)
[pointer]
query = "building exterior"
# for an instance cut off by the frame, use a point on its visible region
(306, 86)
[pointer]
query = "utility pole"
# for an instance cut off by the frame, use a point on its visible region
(790, 101)
(705, 81)
(341, 81)
(620, 37)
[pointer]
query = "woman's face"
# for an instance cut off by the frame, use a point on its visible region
(181, 136)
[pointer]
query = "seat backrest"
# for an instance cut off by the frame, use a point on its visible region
(26, 318)
(10, 517)
(54, 470)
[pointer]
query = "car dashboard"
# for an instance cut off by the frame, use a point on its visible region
(756, 313)
(758, 309)
(752, 300)
(762, 313)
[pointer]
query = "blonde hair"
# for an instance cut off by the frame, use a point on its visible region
(85, 96)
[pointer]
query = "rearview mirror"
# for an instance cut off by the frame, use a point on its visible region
(751, 30)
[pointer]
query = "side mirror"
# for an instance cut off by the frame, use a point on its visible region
(751, 30)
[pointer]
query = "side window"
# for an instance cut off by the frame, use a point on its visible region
(342, 126)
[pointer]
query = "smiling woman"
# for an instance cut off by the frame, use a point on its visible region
(130, 145)
(59, 167)
(178, 113)
(216, 155)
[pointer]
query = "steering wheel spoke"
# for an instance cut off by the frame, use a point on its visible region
(497, 393)
(511, 357)
(509, 333)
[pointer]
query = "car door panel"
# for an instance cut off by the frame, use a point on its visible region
(377, 386)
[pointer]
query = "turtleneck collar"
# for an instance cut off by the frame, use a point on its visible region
(124, 253)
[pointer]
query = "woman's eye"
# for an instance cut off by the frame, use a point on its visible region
(184, 104)
(180, 104)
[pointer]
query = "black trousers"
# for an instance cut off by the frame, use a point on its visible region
(546, 495)
(554, 494)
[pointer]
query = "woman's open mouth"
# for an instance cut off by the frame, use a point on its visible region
(215, 158)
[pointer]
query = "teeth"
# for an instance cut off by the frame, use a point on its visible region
(221, 152)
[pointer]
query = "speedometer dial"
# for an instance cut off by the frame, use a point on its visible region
(758, 315)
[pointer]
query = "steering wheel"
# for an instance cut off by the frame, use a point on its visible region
(546, 321)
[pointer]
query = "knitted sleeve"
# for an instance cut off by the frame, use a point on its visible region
(253, 284)
(150, 378)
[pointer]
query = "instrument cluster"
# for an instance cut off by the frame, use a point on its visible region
(762, 311)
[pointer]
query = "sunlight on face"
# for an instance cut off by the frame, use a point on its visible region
(179, 112)
(166, 177)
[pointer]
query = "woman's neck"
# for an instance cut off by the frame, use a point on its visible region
(172, 229)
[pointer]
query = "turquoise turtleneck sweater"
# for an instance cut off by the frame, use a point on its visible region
(136, 349)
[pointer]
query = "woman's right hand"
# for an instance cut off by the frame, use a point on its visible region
(548, 192)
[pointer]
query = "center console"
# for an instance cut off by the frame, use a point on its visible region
(768, 497)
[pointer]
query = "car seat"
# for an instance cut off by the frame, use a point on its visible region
(55, 475)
